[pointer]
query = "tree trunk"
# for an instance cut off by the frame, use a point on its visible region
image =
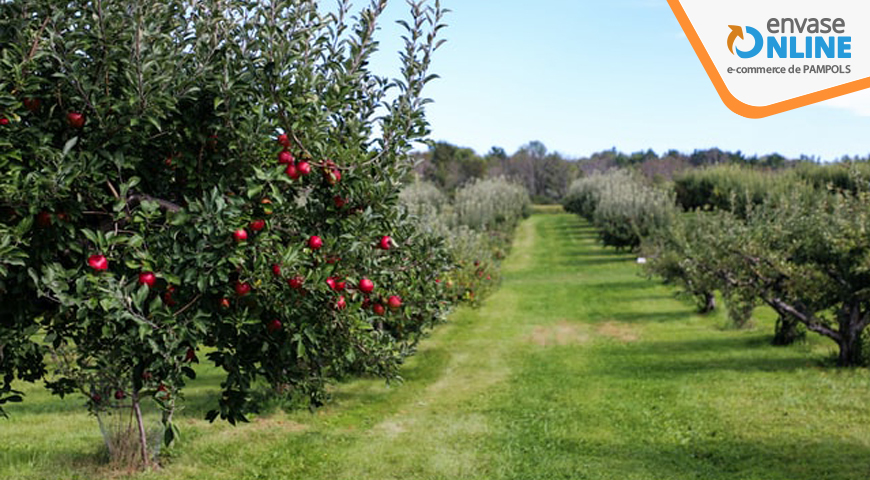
(851, 326)
(709, 303)
(850, 348)
(143, 441)
(788, 331)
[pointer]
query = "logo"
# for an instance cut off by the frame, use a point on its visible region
(738, 32)
(782, 54)
(792, 46)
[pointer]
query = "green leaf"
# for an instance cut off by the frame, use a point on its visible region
(69, 145)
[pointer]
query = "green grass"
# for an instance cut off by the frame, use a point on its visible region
(577, 368)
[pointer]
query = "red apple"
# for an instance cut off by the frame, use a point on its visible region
(292, 172)
(190, 355)
(242, 289)
(257, 225)
(379, 309)
(394, 302)
(161, 388)
(296, 282)
(315, 242)
(32, 104)
(147, 278)
(167, 296)
(285, 157)
(332, 176)
(386, 242)
(43, 219)
(331, 283)
(340, 285)
(366, 285)
(97, 398)
(274, 326)
(75, 119)
(304, 168)
(119, 395)
(4, 121)
(341, 303)
(98, 262)
(284, 140)
(225, 303)
(276, 269)
(240, 235)
(339, 202)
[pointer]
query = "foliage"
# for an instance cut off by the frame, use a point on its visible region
(621, 206)
(449, 166)
(492, 204)
(545, 175)
(730, 188)
(477, 227)
(670, 164)
(573, 342)
(849, 177)
(144, 133)
(805, 253)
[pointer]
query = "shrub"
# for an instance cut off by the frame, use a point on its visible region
(844, 177)
(492, 204)
(622, 207)
(730, 188)
(477, 230)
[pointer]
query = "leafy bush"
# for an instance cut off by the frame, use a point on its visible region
(492, 204)
(730, 188)
(622, 207)
(146, 210)
(477, 229)
(843, 177)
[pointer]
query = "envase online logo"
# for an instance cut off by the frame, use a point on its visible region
(737, 32)
(779, 55)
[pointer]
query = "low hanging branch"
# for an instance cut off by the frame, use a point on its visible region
(137, 198)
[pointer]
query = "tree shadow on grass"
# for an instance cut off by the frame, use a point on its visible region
(60, 458)
(648, 317)
(703, 455)
(623, 289)
(588, 261)
(668, 359)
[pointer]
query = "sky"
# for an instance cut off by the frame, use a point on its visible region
(583, 76)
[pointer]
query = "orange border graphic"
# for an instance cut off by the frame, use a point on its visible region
(746, 110)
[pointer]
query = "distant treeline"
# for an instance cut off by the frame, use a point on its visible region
(547, 174)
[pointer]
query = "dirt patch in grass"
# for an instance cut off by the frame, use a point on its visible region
(618, 331)
(561, 334)
(265, 423)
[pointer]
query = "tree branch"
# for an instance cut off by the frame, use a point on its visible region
(137, 198)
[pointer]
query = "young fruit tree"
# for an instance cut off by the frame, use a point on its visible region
(181, 178)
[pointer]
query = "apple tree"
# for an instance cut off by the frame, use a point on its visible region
(209, 181)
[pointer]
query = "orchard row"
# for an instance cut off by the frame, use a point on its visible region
(795, 240)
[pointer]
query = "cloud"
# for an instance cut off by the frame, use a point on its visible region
(857, 103)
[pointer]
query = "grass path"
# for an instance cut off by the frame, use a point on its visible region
(577, 368)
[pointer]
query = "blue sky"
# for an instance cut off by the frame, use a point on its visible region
(588, 75)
